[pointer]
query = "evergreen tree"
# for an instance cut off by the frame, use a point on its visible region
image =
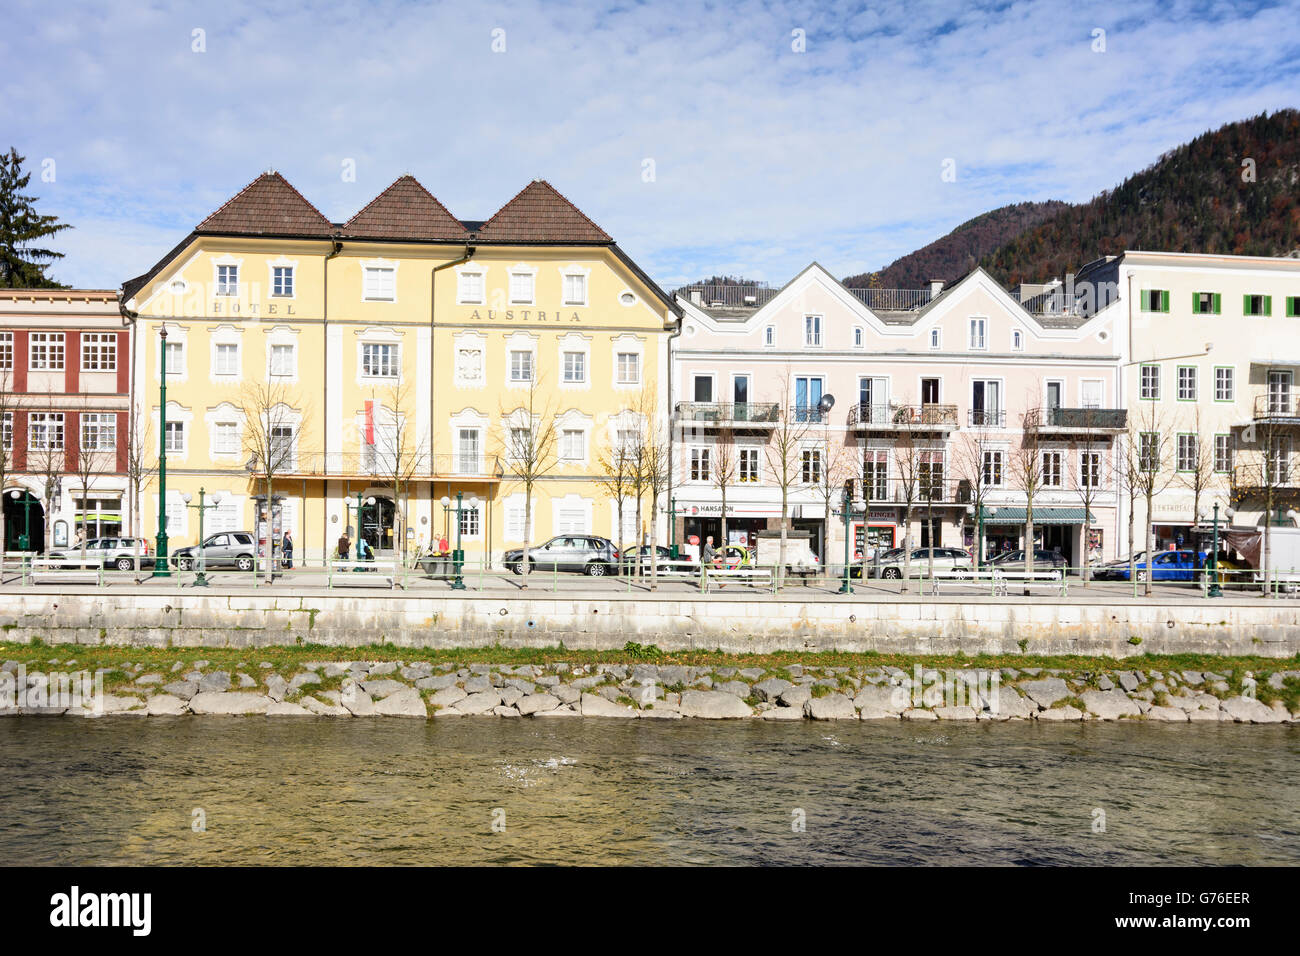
(23, 264)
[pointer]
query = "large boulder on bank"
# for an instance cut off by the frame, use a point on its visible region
(406, 702)
(1248, 710)
(593, 705)
(536, 703)
(1109, 704)
(1045, 692)
(713, 705)
(212, 702)
(830, 707)
(771, 689)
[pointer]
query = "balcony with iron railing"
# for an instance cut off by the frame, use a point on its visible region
(1278, 407)
(381, 466)
(1257, 477)
(986, 417)
(762, 415)
(892, 417)
(1077, 421)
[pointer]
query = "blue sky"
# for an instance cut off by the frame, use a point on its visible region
(764, 158)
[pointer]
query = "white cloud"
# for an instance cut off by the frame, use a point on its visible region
(765, 158)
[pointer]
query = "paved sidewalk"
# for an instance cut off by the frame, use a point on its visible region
(542, 585)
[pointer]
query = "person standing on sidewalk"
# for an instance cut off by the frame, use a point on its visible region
(286, 551)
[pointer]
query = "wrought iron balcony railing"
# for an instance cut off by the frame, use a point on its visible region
(1277, 406)
(902, 416)
(728, 413)
(986, 417)
(1077, 419)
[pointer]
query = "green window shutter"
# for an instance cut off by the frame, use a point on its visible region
(1164, 301)
(1245, 305)
(1196, 303)
(1290, 306)
(1218, 304)
(1268, 305)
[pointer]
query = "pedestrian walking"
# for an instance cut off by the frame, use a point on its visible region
(344, 546)
(286, 551)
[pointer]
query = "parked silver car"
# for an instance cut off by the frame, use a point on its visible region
(226, 549)
(947, 561)
(122, 554)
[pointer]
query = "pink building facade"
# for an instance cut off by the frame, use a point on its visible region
(949, 410)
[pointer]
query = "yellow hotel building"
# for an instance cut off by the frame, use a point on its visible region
(389, 356)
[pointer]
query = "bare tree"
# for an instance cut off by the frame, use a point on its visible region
(1149, 471)
(723, 471)
(875, 485)
(529, 452)
(96, 453)
(653, 457)
(8, 407)
(1270, 466)
(968, 471)
(270, 438)
(834, 467)
(907, 466)
(1026, 469)
(1091, 471)
(396, 453)
(783, 459)
(616, 468)
(1195, 461)
(141, 463)
(47, 456)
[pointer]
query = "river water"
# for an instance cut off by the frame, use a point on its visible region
(584, 791)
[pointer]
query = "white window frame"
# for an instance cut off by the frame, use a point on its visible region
(1193, 380)
(51, 344)
(812, 330)
(376, 269)
(98, 424)
(291, 372)
(936, 339)
(6, 351)
(56, 421)
(1225, 390)
(217, 370)
(583, 276)
(521, 372)
(218, 428)
(291, 265)
(699, 465)
(223, 286)
(979, 334)
(395, 363)
(1017, 340)
(567, 451)
(176, 426)
(521, 272)
(1154, 383)
(769, 337)
(104, 346)
(859, 337)
(468, 283)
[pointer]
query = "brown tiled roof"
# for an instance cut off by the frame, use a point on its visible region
(405, 210)
(540, 214)
(268, 206)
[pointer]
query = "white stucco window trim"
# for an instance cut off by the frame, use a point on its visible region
(572, 501)
(175, 334)
(282, 335)
(379, 264)
(176, 412)
(472, 268)
(227, 260)
(281, 262)
(627, 342)
(574, 420)
(519, 269)
(470, 341)
(575, 269)
(514, 502)
(574, 342)
(520, 342)
(623, 298)
(225, 413)
(378, 335)
(224, 335)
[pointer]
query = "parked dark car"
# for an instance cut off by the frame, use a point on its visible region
(1015, 560)
(226, 549)
(587, 553)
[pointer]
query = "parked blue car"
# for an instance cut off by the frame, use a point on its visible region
(1167, 566)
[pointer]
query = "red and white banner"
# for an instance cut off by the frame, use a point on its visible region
(370, 422)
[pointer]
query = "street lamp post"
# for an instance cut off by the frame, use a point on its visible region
(458, 556)
(847, 587)
(1215, 591)
(161, 569)
(201, 580)
(672, 528)
(24, 539)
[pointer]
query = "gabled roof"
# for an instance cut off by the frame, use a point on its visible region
(405, 210)
(540, 214)
(268, 206)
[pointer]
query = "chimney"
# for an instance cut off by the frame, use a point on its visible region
(936, 286)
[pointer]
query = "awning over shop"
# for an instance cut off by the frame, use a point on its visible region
(1041, 516)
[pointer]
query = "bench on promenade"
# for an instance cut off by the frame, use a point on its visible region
(45, 571)
(998, 582)
(369, 574)
(750, 576)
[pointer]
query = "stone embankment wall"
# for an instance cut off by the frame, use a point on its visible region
(423, 689)
(916, 625)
